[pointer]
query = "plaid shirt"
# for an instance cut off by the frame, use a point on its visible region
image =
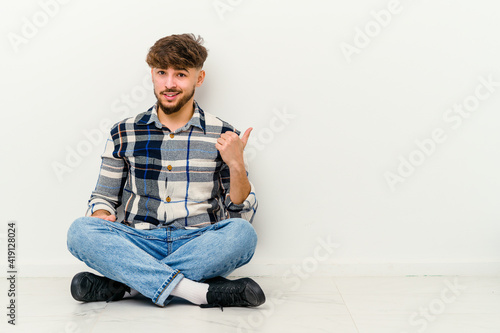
(167, 178)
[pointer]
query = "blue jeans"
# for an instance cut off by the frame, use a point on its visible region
(154, 261)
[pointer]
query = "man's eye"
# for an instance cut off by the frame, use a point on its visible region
(161, 72)
(182, 75)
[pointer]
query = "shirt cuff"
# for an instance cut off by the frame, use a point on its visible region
(249, 204)
(93, 207)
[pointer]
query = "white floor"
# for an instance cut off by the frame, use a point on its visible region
(299, 304)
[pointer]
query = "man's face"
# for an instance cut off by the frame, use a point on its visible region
(174, 87)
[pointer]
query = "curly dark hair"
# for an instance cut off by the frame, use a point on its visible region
(177, 51)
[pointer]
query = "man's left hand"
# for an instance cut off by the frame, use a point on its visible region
(231, 147)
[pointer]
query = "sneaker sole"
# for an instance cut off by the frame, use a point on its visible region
(75, 286)
(76, 289)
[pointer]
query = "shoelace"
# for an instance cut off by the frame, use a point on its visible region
(103, 289)
(227, 295)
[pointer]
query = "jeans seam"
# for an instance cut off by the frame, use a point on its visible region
(136, 234)
(169, 280)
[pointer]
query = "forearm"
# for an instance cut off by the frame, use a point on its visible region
(112, 175)
(239, 184)
(231, 149)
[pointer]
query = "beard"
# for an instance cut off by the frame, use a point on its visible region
(170, 109)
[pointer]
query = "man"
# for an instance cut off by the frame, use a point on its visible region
(178, 172)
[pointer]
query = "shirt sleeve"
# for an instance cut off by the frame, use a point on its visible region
(247, 209)
(112, 176)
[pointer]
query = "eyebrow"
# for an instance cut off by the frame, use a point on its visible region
(181, 69)
(174, 68)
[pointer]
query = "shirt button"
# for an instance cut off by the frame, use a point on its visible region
(168, 199)
(172, 135)
(169, 168)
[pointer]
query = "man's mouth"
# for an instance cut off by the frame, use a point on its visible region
(170, 96)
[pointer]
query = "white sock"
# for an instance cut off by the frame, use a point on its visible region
(131, 293)
(194, 292)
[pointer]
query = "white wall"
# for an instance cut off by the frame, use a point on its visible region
(334, 111)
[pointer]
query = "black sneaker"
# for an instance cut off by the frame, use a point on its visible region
(88, 287)
(242, 292)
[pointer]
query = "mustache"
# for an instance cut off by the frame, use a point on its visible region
(170, 91)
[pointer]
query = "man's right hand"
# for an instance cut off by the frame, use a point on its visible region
(104, 214)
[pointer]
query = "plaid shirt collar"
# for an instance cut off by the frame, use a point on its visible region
(197, 120)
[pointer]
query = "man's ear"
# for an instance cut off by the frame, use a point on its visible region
(201, 78)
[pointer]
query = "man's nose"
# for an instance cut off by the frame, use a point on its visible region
(170, 82)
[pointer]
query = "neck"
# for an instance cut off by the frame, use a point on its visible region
(178, 119)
